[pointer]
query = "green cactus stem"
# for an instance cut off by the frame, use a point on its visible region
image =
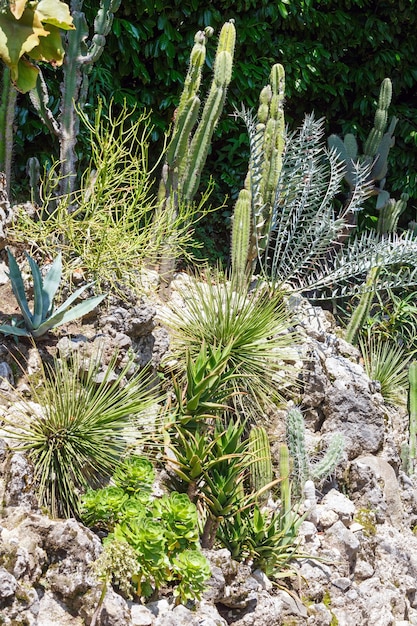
(285, 485)
(361, 312)
(240, 234)
(260, 470)
(268, 142)
(304, 467)
(78, 61)
(412, 409)
(187, 151)
(7, 115)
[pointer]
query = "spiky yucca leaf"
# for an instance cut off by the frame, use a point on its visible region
(387, 363)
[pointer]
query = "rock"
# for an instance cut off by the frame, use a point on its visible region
(8, 585)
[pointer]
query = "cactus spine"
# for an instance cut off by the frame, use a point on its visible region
(260, 461)
(412, 409)
(78, 61)
(305, 469)
(263, 175)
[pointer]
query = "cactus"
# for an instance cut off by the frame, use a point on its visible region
(284, 472)
(390, 213)
(241, 234)
(361, 312)
(260, 462)
(263, 174)
(187, 152)
(305, 469)
(412, 409)
(375, 150)
(78, 61)
(7, 115)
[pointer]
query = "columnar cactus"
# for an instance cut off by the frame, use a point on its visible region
(376, 148)
(78, 61)
(260, 469)
(258, 195)
(412, 408)
(361, 312)
(187, 151)
(304, 468)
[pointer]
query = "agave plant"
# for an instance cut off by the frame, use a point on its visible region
(44, 317)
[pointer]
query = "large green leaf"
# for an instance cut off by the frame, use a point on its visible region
(50, 48)
(18, 37)
(27, 75)
(55, 13)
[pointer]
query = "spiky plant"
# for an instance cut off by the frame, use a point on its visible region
(387, 363)
(312, 243)
(254, 325)
(84, 427)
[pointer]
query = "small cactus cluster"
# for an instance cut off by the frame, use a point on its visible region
(188, 148)
(375, 154)
(304, 468)
(253, 209)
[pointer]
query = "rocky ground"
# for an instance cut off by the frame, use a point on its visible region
(361, 551)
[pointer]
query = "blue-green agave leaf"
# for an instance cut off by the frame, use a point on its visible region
(7, 329)
(64, 316)
(51, 284)
(18, 288)
(38, 314)
(65, 305)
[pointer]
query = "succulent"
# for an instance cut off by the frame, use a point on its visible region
(44, 316)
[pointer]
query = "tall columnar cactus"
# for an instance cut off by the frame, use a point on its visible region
(7, 115)
(187, 151)
(412, 409)
(260, 469)
(304, 468)
(375, 150)
(78, 61)
(250, 232)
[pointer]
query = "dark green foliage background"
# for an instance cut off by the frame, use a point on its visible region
(335, 54)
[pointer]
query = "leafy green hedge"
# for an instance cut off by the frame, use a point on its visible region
(335, 53)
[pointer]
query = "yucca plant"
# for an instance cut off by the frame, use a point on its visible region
(44, 317)
(83, 429)
(387, 363)
(312, 244)
(254, 326)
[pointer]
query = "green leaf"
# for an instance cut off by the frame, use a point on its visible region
(38, 315)
(7, 329)
(51, 283)
(56, 13)
(57, 319)
(18, 288)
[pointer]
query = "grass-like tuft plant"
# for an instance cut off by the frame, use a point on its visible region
(387, 363)
(44, 317)
(254, 326)
(84, 427)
